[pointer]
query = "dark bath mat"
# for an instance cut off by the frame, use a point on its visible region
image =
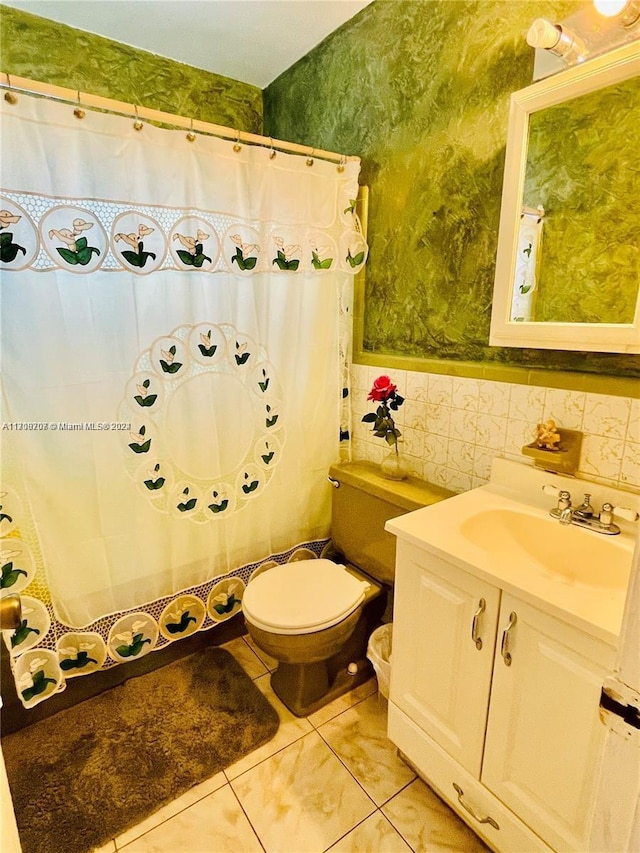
(84, 775)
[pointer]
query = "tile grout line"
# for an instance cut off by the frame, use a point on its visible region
(316, 730)
(378, 808)
(253, 828)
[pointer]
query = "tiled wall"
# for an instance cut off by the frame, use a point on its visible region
(452, 427)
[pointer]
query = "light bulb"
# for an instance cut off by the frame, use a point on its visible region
(543, 34)
(626, 12)
(609, 8)
(557, 40)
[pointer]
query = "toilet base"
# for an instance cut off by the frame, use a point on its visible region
(305, 688)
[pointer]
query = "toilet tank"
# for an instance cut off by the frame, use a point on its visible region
(360, 506)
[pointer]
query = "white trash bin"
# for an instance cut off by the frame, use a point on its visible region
(379, 653)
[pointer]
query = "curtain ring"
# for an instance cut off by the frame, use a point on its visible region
(9, 97)
(342, 163)
(273, 150)
(138, 123)
(79, 112)
(191, 135)
(309, 160)
(236, 146)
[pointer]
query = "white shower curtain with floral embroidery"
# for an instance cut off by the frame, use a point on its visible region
(174, 336)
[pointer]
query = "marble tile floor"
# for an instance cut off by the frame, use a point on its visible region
(328, 782)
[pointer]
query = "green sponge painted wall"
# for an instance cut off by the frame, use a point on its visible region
(54, 53)
(420, 91)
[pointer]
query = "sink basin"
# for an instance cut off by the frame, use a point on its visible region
(569, 554)
(502, 534)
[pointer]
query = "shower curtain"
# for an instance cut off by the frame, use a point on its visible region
(175, 336)
(527, 264)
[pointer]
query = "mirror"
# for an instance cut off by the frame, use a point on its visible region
(568, 262)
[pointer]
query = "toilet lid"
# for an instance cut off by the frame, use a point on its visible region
(301, 597)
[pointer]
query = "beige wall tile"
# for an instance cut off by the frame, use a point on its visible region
(440, 390)
(438, 418)
(460, 456)
(601, 456)
(462, 424)
(494, 398)
(634, 422)
(491, 431)
(500, 418)
(566, 408)
(417, 386)
(465, 393)
(526, 403)
(604, 415)
(630, 468)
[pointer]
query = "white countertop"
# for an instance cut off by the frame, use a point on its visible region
(596, 609)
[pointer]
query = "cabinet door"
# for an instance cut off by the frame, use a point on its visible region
(544, 737)
(440, 674)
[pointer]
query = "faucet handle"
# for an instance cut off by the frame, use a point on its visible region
(549, 489)
(608, 511)
(561, 494)
(564, 498)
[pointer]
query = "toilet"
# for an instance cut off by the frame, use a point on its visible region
(315, 616)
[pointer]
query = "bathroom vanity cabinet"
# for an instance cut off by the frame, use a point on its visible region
(495, 703)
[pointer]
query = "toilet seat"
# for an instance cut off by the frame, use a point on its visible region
(302, 597)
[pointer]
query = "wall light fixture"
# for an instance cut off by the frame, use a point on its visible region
(557, 39)
(596, 28)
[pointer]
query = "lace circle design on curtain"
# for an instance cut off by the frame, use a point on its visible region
(202, 469)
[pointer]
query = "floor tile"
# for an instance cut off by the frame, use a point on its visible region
(373, 834)
(342, 703)
(292, 728)
(212, 825)
(109, 847)
(428, 824)
(246, 657)
(267, 660)
(193, 795)
(302, 799)
(359, 737)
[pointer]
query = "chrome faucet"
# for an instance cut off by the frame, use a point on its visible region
(585, 510)
(584, 516)
(564, 508)
(563, 511)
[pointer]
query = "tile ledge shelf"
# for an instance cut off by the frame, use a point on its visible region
(592, 383)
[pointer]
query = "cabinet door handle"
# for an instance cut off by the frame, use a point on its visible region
(504, 648)
(482, 604)
(474, 814)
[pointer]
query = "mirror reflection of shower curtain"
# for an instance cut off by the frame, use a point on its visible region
(173, 319)
(527, 264)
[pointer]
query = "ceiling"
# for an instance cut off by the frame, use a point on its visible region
(249, 40)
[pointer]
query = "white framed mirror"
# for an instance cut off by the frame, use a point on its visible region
(568, 261)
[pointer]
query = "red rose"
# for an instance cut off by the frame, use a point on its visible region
(382, 389)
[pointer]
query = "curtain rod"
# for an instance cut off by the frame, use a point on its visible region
(83, 99)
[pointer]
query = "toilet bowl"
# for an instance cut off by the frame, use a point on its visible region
(312, 616)
(315, 616)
